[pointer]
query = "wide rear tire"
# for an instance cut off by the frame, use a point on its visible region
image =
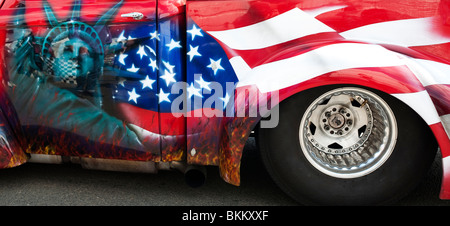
(347, 146)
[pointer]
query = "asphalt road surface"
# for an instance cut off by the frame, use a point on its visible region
(70, 185)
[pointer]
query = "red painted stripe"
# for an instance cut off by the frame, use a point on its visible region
(440, 95)
(284, 50)
(362, 13)
(440, 50)
(391, 80)
(442, 138)
(225, 15)
(145, 119)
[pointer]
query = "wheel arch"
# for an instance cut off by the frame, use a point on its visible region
(309, 96)
(400, 83)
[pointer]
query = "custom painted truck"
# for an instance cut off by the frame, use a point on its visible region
(349, 100)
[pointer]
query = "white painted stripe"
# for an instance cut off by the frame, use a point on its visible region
(429, 72)
(279, 29)
(446, 166)
(240, 67)
(143, 134)
(322, 10)
(317, 62)
(410, 32)
(422, 104)
(445, 119)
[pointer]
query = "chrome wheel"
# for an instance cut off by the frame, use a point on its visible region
(348, 132)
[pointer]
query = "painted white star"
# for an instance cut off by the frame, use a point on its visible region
(122, 58)
(193, 52)
(168, 77)
(194, 32)
(173, 44)
(153, 64)
(193, 91)
(151, 50)
(225, 100)
(163, 97)
(168, 66)
(147, 82)
(133, 69)
(133, 96)
(215, 65)
(155, 35)
(121, 37)
(141, 51)
(122, 82)
(203, 84)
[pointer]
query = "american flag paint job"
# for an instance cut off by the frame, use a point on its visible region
(262, 47)
(304, 44)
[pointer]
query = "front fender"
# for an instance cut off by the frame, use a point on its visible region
(11, 154)
(420, 82)
(410, 80)
(267, 56)
(11, 144)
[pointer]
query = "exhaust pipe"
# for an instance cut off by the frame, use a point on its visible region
(195, 176)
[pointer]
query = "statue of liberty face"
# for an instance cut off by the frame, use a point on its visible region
(72, 50)
(77, 51)
(72, 58)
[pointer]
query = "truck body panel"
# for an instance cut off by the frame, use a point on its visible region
(169, 81)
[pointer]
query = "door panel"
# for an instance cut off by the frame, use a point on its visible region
(80, 77)
(172, 67)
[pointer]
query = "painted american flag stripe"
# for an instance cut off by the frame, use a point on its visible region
(445, 119)
(285, 50)
(363, 13)
(421, 103)
(440, 94)
(322, 10)
(311, 63)
(272, 31)
(429, 72)
(399, 32)
(319, 61)
(152, 121)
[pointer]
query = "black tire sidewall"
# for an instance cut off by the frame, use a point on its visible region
(286, 163)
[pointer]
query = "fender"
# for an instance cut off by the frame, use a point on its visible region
(287, 60)
(11, 140)
(12, 153)
(402, 77)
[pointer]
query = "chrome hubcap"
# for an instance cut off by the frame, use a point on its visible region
(348, 132)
